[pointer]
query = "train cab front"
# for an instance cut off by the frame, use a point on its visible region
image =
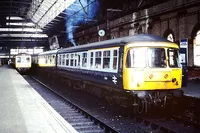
(152, 70)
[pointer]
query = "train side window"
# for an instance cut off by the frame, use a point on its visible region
(67, 59)
(75, 59)
(63, 59)
(27, 59)
(56, 59)
(71, 59)
(59, 60)
(173, 58)
(45, 59)
(39, 59)
(50, 59)
(18, 59)
(84, 60)
(98, 59)
(53, 59)
(106, 59)
(78, 60)
(115, 55)
(91, 60)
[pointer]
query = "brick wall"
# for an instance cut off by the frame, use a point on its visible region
(180, 16)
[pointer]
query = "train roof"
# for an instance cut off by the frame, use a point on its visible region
(49, 52)
(23, 54)
(116, 42)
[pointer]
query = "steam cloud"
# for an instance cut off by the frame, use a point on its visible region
(79, 15)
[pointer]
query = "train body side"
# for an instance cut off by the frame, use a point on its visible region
(94, 71)
(140, 71)
(112, 64)
(47, 59)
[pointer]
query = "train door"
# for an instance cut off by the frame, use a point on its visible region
(134, 64)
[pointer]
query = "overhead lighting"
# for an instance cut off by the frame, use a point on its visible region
(25, 50)
(21, 24)
(23, 39)
(14, 18)
(113, 10)
(47, 10)
(20, 29)
(25, 35)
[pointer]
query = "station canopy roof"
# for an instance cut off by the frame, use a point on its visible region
(44, 11)
(31, 22)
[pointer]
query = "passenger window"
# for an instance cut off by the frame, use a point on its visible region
(59, 60)
(106, 59)
(63, 59)
(72, 60)
(75, 59)
(84, 60)
(45, 59)
(78, 59)
(50, 59)
(18, 59)
(91, 59)
(67, 59)
(98, 59)
(53, 59)
(115, 54)
(27, 59)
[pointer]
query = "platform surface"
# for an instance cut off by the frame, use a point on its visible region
(192, 89)
(23, 110)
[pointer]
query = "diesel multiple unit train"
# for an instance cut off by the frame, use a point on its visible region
(140, 70)
(22, 62)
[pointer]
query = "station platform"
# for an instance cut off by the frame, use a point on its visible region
(23, 110)
(193, 88)
(193, 83)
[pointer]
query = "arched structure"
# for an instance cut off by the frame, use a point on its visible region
(169, 35)
(196, 44)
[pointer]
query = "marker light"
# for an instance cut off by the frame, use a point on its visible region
(151, 76)
(166, 76)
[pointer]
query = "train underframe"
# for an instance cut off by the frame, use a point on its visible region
(148, 101)
(22, 70)
(138, 101)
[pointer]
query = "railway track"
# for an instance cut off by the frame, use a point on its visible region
(114, 122)
(187, 110)
(81, 120)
